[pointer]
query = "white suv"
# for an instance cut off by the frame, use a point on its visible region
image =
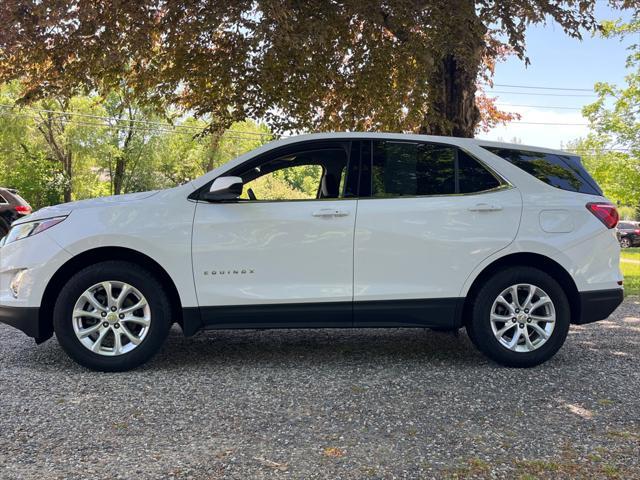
(514, 243)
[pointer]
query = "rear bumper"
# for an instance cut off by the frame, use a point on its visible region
(27, 320)
(598, 304)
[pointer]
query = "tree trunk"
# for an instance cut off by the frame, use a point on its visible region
(216, 137)
(452, 109)
(118, 176)
(68, 173)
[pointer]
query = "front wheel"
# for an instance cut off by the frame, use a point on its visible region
(625, 243)
(112, 316)
(520, 317)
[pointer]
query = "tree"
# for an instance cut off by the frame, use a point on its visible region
(110, 145)
(408, 65)
(46, 131)
(612, 151)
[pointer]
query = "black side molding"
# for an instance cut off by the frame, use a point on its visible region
(411, 313)
(27, 320)
(598, 304)
(281, 315)
(421, 313)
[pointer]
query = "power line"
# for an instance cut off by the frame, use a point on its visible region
(550, 123)
(229, 134)
(538, 106)
(120, 120)
(543, 94)
(543, 88)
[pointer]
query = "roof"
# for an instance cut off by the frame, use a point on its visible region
(461, 141)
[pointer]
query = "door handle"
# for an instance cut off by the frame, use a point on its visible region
(485, 207)
(330, 212)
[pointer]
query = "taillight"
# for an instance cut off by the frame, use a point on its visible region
(637, 232)
(606, 213)
(23, 209)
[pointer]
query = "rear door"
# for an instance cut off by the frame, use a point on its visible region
(433, 214)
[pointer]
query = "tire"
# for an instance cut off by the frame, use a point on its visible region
(531, 348)
(4, 227)
(625, 243)
(146, 328)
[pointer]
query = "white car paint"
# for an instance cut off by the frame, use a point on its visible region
(289, 253)
(379, 249)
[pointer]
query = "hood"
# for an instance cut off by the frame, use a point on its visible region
(67, 208)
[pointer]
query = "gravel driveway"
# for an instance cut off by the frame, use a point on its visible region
(326, 404)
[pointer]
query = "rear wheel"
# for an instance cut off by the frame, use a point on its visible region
(112, 316)
(520, 317)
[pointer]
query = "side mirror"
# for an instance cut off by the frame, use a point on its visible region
(224, 188)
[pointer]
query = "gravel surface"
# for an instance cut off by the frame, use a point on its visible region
(326, 404)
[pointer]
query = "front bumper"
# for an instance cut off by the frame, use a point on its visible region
(26, 319)
(598, 304)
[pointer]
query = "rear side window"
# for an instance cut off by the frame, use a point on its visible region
(420, 169)
(473, 177)
(561, 171)
(2, 200)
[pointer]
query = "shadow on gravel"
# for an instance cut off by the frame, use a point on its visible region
(307, 348)
(310, 347)
(304, 347)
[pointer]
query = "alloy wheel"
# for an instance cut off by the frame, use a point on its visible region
(111, 318)
(523, 317)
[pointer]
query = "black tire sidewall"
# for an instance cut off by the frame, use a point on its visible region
(112, 271)
(480, 330)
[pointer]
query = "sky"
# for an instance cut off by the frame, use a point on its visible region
(557, 61)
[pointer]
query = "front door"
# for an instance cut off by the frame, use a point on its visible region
(283, 253)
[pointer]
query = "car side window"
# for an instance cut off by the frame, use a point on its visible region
(472, 176)
(308, 174)
(422, 169)
(565, 172)
(290, 183)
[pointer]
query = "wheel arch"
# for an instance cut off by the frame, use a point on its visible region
(535, 260)
(97, 255)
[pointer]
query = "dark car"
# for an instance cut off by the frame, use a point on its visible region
(12, 207)
(629, 234)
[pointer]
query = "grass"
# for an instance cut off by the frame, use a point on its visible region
(630, 265)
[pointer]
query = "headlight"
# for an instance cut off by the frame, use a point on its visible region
(29, 229)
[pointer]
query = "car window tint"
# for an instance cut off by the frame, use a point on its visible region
(2, 199)
(561, 171)
(472, 176)
(412, 169)
(416, 169)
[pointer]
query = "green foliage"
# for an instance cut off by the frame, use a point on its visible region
(628, 213)
(37, 179)
(293, 183)
(87, 146)
(612, 152)
(326, 65)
